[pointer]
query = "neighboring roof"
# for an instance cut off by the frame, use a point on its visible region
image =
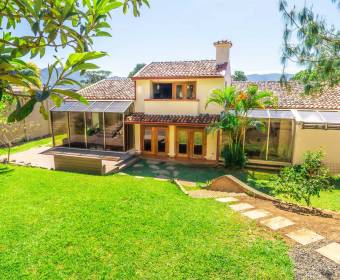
(94, 106)
(200, 120)
(292, 98)
(110, 89)
(181, 69)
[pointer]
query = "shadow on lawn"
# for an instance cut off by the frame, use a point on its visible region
(5, 169)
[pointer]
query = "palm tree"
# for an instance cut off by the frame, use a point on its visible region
(234, 121)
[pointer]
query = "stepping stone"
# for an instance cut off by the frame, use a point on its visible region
(138, 165)
(139, 177)
(152, 161)
(331, 251)
(154, 167)
(163, 172)
(226, 199)
(122, 173)
(305, 236)
(277, 223)
(256, 214)
(241, 206)
(176, 173)
(170, 167)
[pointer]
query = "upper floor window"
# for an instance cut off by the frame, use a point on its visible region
(183, 90)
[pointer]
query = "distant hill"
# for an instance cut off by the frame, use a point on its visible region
(44, 77)
(267, 77)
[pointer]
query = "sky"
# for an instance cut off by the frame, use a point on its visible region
(186, 30)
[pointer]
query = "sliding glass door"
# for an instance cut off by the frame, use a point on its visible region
(95, 131)
(77, 130)
(155, 140)
(59, 121)
(190, 143)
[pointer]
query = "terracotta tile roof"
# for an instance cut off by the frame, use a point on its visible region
(292, 98)
(201, 120)
(110, 89)
(181, 69)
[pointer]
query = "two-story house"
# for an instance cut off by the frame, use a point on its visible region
(161, 112)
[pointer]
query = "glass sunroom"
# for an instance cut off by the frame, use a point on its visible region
(274, 143)
(99, 125)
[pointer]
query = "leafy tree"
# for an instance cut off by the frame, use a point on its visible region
(10, 131)
(55, 24)
(310, 42)
(302, 182)
(234, 121)
(239, 76)
(92, 77)
(138, 67)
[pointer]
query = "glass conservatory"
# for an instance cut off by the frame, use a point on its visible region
(274, 142)
(96, 126)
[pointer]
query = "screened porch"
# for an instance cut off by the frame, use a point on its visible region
(99, 125)
(274, 142)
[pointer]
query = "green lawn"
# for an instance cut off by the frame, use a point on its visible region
(28, 145)
(58, 225)
(260, 180)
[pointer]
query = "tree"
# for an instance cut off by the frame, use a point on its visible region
(234, 121)
(239, 76)
(302, 182)
(312, 44)
(71, 24)
(10, 132)
(138, 67)
(92, 77)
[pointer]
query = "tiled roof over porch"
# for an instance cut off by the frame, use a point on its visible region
(199, 120)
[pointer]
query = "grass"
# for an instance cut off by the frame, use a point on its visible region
(260, 180)
(58, 225)
(27, 145)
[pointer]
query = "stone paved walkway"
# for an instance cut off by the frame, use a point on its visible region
(315, 256)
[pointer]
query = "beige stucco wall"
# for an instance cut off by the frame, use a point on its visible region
(316, 139)
(137, 138)
(203, 90)
(32, 127)
(211, 146)
(172, 140)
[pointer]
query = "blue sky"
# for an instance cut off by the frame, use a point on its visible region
(186, 29)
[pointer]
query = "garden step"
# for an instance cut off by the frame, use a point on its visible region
(256, 214)
(277, 223)
(331, 251)
(241, 206)
(226, 199)
(304, 236)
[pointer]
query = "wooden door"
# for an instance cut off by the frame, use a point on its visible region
(154, 140)
(190, 143)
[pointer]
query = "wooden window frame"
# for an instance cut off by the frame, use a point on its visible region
(173, 89)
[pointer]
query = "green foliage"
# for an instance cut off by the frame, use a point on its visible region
(234, 120)
(50, 24)
(302, 182)
(239, 76)
(138, 67)
(311, 43)
(92, 77)
(234, 155)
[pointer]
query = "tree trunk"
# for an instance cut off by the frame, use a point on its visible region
(8, 153)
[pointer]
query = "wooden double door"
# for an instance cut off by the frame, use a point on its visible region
(155, 140)
(190, 143)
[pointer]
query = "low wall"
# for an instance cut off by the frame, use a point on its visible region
(229, 183)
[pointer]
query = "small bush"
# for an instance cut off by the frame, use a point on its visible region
(302, 182)
(234, 156)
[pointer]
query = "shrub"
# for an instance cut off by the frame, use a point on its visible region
(302, 182)
(234, 155)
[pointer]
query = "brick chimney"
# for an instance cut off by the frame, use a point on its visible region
(223, 59)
